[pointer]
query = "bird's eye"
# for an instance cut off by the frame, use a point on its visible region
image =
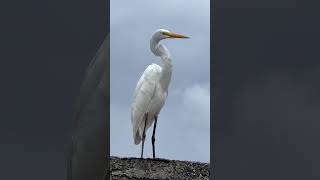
(165, 33)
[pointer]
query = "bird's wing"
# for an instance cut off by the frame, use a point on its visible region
(87, 157)
(141, 98)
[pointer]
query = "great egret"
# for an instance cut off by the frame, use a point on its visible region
(152, 89)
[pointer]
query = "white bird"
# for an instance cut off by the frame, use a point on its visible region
(152, 89)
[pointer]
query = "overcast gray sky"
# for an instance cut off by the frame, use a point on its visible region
(183, 128)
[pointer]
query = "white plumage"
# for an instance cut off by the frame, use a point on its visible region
(152, 88)
(148, 97)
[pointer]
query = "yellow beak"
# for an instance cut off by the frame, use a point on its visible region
(174, 35)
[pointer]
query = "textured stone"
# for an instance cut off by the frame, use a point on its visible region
(157, 169)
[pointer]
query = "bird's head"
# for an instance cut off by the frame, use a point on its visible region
(165, 34)
(158, 35)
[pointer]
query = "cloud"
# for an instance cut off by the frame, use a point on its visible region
(197, 97)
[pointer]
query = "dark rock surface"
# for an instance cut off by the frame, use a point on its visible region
(157, 169)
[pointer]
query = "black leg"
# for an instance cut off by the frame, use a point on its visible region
(153, 135)
(144, 134)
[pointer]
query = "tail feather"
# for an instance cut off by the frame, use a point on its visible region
(137, 138)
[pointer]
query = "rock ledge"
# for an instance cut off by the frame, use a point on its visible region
(157, 169)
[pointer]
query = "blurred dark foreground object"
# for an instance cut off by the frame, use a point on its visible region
(88, 153)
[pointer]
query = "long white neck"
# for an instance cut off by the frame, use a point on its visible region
(160, 50)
